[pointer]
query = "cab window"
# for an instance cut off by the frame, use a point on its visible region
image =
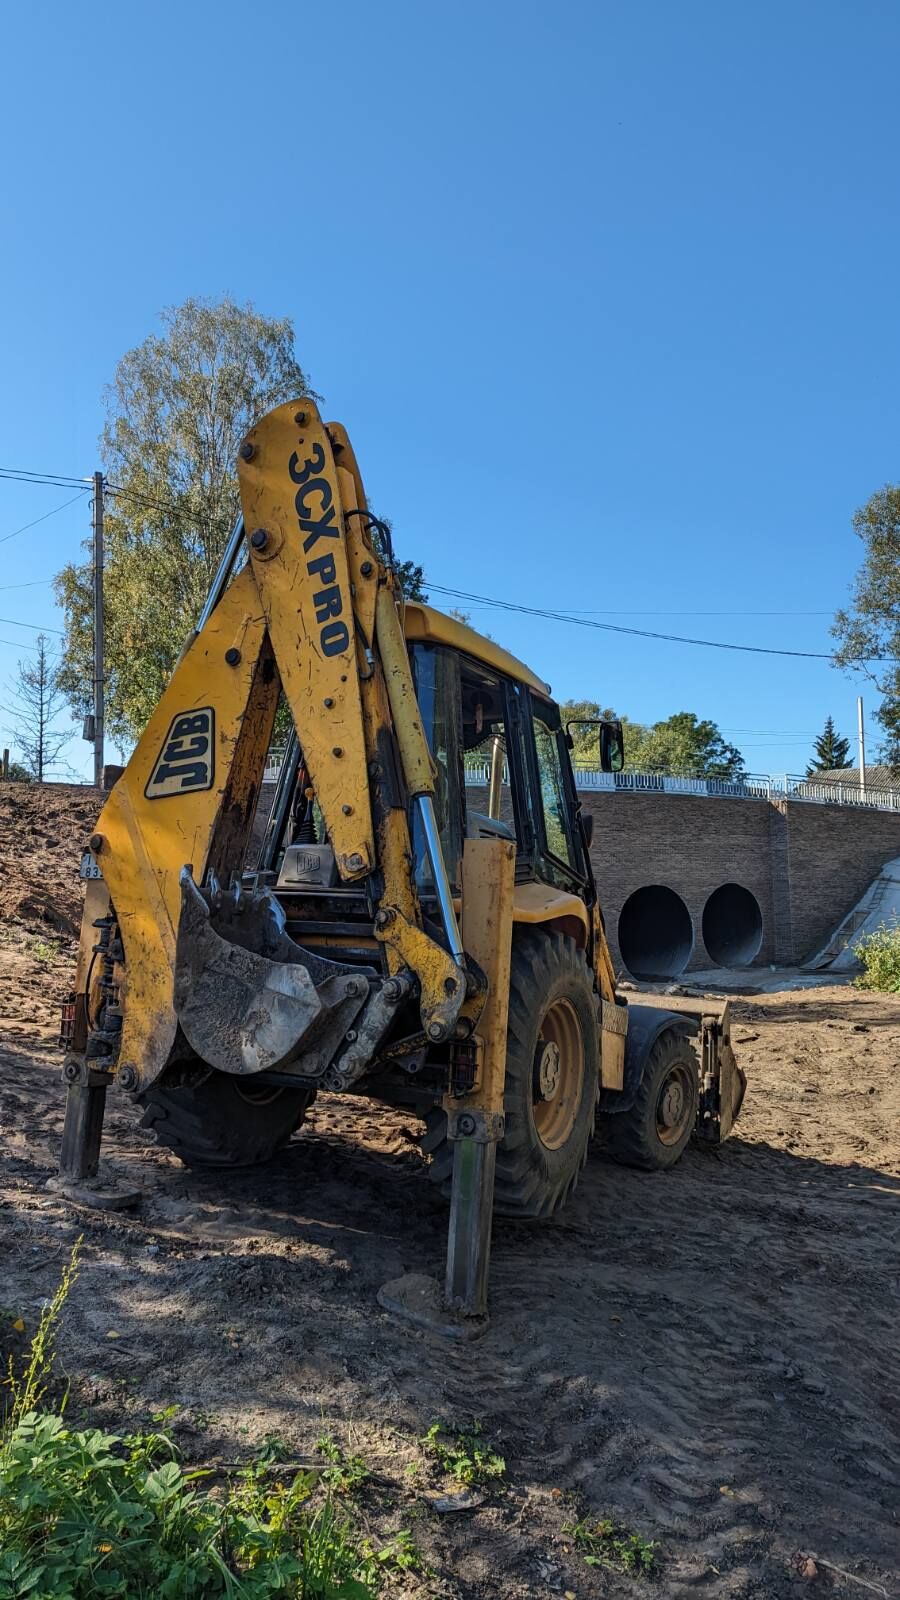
(557, 829)
(490, 806)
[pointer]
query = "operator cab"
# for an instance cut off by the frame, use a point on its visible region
(503, 769)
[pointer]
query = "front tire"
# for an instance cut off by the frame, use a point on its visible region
(654, 1133)
(551, 1085)
(224, 1121)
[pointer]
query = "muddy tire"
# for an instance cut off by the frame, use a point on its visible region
(552, 1081)
(655, 1132)
(222, 1122)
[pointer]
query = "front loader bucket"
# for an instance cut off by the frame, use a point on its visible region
(240, 1009)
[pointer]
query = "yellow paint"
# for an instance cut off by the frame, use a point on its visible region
(392, 841)
(290, 490)
(96, 905)
(418, 767)
(145, 843)
(542, 903)
(434, 968)
(488, 885)
(435, 627)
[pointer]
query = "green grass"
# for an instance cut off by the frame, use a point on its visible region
(86, 1514)
(344, 1474)
(464, 1454)
(604, 1543)
(879, 953)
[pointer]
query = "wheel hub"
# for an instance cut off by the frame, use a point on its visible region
(672, 1105)
(675, 1105)
(549, 1066)
(558, 1074)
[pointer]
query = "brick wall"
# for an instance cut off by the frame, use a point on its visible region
(689, 844)
(834, 852)
(806, 864)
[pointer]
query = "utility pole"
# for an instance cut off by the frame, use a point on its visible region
(862, 743)
(97, 524)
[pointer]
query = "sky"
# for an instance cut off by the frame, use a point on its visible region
(605, 294)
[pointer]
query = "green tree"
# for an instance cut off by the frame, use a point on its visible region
(177, 409)
(682, 743)
(869, 627)
(411, 578)
(18, 774)
(685, 744)
(831, 752)
(586, 740)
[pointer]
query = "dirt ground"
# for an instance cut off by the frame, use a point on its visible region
(710, 1356)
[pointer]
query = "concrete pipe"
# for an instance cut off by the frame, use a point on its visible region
(732, 926)
(655, 933)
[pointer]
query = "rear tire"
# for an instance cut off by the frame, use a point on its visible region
(552, 1081)
(655, 1132)
(223, 1121)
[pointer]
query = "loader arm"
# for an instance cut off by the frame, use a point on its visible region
(316, 611)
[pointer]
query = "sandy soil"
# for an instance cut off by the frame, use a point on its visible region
(708, 1356)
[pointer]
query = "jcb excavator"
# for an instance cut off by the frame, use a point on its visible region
(420, 923)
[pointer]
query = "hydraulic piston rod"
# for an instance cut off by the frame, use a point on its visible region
(425, 806)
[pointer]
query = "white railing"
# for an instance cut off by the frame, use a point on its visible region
(753, 786)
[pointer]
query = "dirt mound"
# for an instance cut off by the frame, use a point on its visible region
(43, 831)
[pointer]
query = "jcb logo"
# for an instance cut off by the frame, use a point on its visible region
(187, 759)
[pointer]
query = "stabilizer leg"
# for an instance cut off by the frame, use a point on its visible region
(471, 1215)
(474, 1120)
(79, 1161)
(82, 1131)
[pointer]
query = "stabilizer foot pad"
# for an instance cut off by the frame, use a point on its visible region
(418, 1299)
(97, 1195)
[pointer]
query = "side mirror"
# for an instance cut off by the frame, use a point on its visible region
(612, 747)
(587, 828)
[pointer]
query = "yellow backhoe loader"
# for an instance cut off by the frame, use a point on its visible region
(419, 923)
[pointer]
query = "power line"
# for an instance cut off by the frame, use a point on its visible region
(56, 509)
(34, 583)
(37, 627)
(21, 475)
(608, 611)
(776, 738)
(17, 644)
(640, 633)
(156, 505)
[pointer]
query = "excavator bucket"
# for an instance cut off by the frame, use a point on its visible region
(247, 997)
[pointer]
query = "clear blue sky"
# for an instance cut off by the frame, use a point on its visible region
(606, 293)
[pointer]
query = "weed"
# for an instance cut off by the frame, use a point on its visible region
(879, 953)
(345, 1474)
(401, 1554)
(604, 1543)
(28, 1388)
(202, 1421)
(85, 1513)
(43, 950)
(464, 1455)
